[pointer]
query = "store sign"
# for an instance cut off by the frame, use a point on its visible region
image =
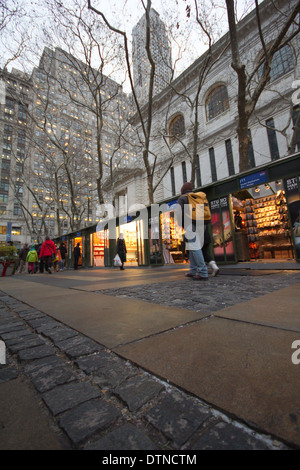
(172, 205)
(253, 180)
(293, 199)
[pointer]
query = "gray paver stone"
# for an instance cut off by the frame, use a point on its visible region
(50, 374)
(78, 346)
(138, 391)
(86, 419)
(24, 343)
(67, 396)
(16, 334)
(94, 362)
(36, 352)
(177, 418)
(111, 377)
(126, 437)
(59, 333)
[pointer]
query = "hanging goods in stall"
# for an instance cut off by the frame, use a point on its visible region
(197, 200)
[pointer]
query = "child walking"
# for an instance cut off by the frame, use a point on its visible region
(32, 258)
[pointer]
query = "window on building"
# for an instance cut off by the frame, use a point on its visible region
(17, 210)
(229, 155)
(16, 231)
(272, 138)
(213, 164)
(173, 181)
(2, 210)
(22, 113)
(5, 166)
(9, 108)
(3, 197)
(217, 102)
(176, 128)
(184, 177)
(282, 62)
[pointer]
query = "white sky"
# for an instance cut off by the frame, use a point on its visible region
(126, 13)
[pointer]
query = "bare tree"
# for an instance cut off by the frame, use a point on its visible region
(15, 31)
(88, 50)
(144, 112)
(248, 92)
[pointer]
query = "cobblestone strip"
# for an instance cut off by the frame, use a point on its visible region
(100, 401)
(220, 292)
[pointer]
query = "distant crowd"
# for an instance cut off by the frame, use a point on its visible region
(46, 257)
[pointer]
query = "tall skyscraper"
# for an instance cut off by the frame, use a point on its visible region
(161, 53)
(52, 145)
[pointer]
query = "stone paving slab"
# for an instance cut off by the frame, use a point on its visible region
(224, 435)
(281, 309)
(110, 375)
(24, 424)
(106, 419)
(109, 321)
(243, 369)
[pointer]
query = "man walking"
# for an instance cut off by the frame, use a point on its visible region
(22, 257)
(48, 248)
(196, 235)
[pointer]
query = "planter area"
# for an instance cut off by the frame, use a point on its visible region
(7, 268)
(8, 260)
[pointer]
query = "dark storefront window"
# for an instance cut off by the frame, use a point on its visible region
(213, 164)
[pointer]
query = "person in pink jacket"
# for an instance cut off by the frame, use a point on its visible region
(48, 248)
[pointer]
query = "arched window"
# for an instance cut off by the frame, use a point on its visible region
(282, 62)
(176, 128)
(217, 102)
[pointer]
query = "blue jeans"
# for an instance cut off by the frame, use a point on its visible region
(197, 263)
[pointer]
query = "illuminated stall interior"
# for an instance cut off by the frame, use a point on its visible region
(129, 231)
(75, 241)
(261, 214)
(98, 248)
(172, 239)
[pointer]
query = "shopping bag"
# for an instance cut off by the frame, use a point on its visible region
(117, 260)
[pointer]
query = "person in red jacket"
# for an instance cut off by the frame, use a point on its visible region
(48, 248)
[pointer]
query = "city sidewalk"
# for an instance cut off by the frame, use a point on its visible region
(106, 357)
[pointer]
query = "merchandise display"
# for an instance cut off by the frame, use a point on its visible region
(98, 239)
(172, 236)
(130, 236)
(267, 225)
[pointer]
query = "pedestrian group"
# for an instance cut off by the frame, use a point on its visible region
(42, 258)
(195, 244)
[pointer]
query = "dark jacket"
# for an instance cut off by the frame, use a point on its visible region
(63, 251)
(23, 253)
(77, 252)
(121, 249)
